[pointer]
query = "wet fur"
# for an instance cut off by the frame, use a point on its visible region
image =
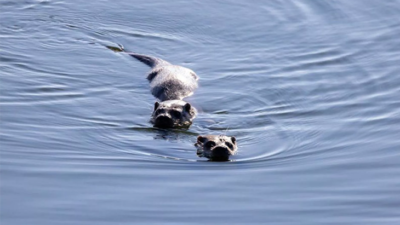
(173, 114)
(167, 81)
(170, 83)
(208, 145)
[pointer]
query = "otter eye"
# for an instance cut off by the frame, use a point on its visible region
(176, 114)
(210, 144)
(159, 111)
(229, 145)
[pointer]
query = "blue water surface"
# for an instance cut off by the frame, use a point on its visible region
(310, 89)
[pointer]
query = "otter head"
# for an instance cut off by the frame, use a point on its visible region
(216, 147)
(173, 114)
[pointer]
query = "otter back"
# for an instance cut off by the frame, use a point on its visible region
(172, 82)
(167, 81)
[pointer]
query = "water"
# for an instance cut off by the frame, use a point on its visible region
(310, 89)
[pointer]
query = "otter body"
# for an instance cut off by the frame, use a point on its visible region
(167, 81)
(170, 83)
(216, 147)
(173, 114)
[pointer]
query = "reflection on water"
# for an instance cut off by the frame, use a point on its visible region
(309, 89)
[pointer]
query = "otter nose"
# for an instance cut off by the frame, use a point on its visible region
(220, 154)
(163, 122)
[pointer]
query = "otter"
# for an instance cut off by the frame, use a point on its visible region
(173, 114)
(167, 81)
(170, 83)
(216, 147)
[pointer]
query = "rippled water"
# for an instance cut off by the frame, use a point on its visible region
(310, 89)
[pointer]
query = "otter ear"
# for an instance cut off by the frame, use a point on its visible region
(187, 107)
(156, 105)
(194, 75)
(201, 139)
(233, 139)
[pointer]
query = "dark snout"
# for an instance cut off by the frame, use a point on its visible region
(220, 154)
(163, 122)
